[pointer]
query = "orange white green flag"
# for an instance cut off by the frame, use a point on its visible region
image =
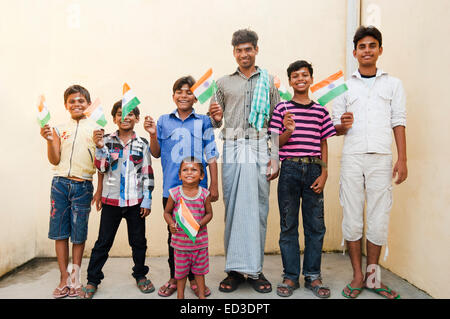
(95, 113)
(43, 113)
(129, 101)
(186, 221)
(284, 93)
(205, 88)
(330, 88)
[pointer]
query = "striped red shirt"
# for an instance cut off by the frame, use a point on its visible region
(196, 205)
(312, 125)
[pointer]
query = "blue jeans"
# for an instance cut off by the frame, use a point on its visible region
(70, 207)
(294, 184)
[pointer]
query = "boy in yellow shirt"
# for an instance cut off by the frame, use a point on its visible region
(71, 149)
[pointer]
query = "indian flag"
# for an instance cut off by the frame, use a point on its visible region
(284, 93)
(205, 88)
(186, 221)
(129, 101)
(95, 112)
(43, 113)
(328, 89)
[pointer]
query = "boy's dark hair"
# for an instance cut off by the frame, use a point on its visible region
(244, 36)
(118, 105)
(297, 65)
(364, 31)
(192, 159)
(77, 89)
(189, 80)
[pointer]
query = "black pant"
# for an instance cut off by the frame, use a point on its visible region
(171, 259)
(109, 223)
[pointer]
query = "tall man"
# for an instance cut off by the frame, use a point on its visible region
(366, 114)
(245, 101)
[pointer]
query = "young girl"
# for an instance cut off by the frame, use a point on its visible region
(190, 256)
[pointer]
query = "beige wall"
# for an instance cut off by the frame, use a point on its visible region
(49, 45)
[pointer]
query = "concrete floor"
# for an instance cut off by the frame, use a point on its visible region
(37, 280)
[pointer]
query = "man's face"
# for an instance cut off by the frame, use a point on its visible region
(76, 104)
(367, 51)
(128, 122)
(184, 98)
(301, 80)
(245, 55)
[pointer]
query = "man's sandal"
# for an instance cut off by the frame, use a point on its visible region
(234, 279)
(145, 286)
(387, 289)
(351, 292)
(260, 282)
(285, 290)
(167, 289)
(315, 290)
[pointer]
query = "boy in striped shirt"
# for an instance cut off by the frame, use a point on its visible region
(303, 127)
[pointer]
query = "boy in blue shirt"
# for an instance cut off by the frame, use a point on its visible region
(177, 135)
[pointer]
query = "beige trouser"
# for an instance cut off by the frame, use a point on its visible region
(366, 177)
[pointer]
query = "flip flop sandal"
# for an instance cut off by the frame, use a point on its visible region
(290, 289)
(316, 289)
(194, 288)
(167, 290)
(234, 279)
(261, 281)
(141, 285)
(88, 293)
(61, 292)
(349, 296)
(387, 289)
(75, 288)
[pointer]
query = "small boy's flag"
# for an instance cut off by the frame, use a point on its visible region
(205, 88)
(95, 112)
(284, 93)
(328, 89)
(186, 221)
(129, 101)
(43, 113)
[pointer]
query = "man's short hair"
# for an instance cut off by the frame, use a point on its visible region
(297, 65)
(118, 105)
(77, 89)
(189, 80)
(364, 31)
(244, 36)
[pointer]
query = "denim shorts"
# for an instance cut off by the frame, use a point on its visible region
(70, 207)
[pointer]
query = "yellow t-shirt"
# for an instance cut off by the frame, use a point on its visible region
(77, 149)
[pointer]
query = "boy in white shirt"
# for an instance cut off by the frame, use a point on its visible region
(366, 114)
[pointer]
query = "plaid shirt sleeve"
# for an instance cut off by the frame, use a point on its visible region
(102, 159)
(148, 181)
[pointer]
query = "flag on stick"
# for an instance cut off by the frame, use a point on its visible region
(186, 221)
(129, 101)
(95, 112)
(284, 93)
(43, 113)
(330, 88)
(205, 88)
